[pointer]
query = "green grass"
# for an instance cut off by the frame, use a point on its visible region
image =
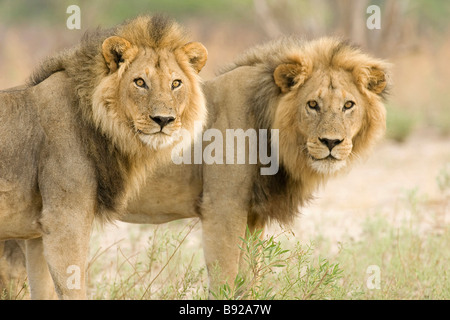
(410, 252)
(411, 266)
(275, 272)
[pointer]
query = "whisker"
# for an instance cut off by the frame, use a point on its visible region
(355, 156)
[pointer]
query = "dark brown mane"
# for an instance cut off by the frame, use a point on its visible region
(85, 68)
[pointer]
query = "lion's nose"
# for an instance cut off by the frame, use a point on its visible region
(330, 143)
(162, 121)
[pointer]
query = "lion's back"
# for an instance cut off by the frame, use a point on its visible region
(18, 125)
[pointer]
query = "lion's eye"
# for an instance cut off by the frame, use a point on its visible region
(312, 104)
(348, 105)
(140, 82)
(176, 84)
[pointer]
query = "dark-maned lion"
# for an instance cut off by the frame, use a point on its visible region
(77, 142)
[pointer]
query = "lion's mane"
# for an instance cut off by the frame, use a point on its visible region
(117, 154)
(279, 197)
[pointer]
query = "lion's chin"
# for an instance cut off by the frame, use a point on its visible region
(157, 141)
(327, 166)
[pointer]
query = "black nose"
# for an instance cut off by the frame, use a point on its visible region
(330, 143)
(162, 121)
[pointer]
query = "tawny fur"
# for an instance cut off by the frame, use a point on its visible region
(80, 138)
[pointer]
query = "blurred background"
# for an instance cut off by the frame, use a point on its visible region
(414, 35)
(392, 210)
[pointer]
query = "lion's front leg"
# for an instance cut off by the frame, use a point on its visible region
(222, 233)
(224, 211)
(224, 220)
(65, 242)
(39, 279)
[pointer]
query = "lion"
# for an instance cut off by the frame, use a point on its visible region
(325, 98)
(79, 139)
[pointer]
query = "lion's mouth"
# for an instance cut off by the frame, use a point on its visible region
(160, 132)
(327, 158)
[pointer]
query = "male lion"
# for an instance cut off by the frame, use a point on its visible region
(77, 141)
(324, 97)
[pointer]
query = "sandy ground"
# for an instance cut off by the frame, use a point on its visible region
(379, 185)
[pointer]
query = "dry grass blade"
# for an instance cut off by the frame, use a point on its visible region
(191, 227)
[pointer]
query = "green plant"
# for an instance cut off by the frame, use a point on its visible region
(15, 291)
(274, 272)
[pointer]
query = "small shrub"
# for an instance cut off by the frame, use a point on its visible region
(274, 272)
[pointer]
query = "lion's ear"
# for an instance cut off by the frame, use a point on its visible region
(196, 53)
(117, 50)
(287, 75)
(378, 81)
(374, 78)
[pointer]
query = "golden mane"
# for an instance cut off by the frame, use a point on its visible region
(279, 197)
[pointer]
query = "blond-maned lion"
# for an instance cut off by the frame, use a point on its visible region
(324, 97)
(78, 140)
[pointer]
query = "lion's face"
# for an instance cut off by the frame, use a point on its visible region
(155, 92)
(151, 93)
(329, 116)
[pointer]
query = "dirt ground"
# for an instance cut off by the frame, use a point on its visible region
(379, 185)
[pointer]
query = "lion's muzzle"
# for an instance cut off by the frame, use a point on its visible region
(330, 143)
(328, 155)
(162, 121)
